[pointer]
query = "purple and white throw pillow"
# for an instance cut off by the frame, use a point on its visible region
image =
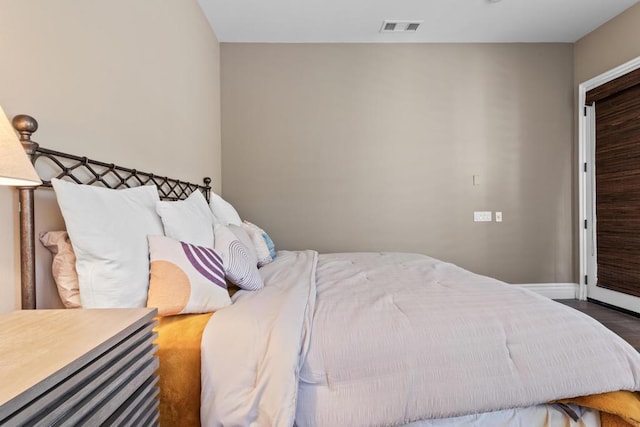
(185, 278)
(240, 262)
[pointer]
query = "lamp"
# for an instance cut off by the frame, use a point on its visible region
(16, 170)
(15, 167)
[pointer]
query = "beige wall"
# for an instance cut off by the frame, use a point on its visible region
(364, 147)
(608, 46)
(135, 82)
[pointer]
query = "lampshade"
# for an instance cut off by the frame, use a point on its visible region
(15, 167)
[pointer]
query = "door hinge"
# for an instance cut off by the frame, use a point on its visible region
(585, 166)
(586, 279)
(585, 224)
(585, 111)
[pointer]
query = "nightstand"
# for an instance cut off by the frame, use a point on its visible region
(78, 367)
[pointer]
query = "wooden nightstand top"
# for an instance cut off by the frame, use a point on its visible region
(41, 347)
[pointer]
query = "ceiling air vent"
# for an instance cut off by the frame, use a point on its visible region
(389, 26)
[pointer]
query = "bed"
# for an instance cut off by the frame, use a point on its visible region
(354, 339)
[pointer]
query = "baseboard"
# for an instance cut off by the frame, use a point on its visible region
(553, 290)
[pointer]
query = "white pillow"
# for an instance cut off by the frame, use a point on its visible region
(240, 266)
(262, 250)
(224, 212)
(188, 221)
(108, 230)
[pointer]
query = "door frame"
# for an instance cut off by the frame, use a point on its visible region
(586, 178)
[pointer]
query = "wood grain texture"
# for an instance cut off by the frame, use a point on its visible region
(614, 86)
(617, 172)
(113, 372)
(125, 416)
(67, 365)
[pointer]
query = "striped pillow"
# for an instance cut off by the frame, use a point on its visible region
(240, 262)
(185, 278)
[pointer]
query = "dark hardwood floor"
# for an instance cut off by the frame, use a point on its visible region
(623, 324)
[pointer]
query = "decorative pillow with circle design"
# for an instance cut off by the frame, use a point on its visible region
(240, 262)
(185, 278)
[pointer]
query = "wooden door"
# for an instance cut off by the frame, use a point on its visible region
(617, 182)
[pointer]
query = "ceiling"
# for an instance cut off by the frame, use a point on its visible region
(445, 21)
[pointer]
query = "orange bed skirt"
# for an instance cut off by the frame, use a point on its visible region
(178, 343)
(617, 409)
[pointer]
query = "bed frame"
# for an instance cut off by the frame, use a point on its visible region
(81, 170)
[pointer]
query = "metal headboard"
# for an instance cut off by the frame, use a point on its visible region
(80, 170)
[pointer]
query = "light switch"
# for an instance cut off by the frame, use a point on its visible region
(476, 179)
(482, 216)
(498, 216)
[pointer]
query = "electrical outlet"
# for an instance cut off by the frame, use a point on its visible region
(498, 216)
(482, 216)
